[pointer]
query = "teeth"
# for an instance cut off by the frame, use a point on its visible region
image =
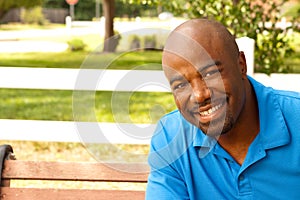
(211, 110)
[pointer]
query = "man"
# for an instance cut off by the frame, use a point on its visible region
(232, 137)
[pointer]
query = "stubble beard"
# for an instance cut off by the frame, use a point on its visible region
(219, 126)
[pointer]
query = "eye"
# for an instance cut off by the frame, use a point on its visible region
(210, 73)
(178, 86)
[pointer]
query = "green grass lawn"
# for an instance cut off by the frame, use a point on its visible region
(149, 59)
(21, 26)
(56, 105)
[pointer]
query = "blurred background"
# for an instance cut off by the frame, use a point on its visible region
(61, 34)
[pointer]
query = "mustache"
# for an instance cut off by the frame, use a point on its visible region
(211, 102)
(197, 105)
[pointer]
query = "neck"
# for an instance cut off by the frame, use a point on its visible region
(237, 141)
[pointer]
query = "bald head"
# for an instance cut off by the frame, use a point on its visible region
(198, 26)
(202, 34)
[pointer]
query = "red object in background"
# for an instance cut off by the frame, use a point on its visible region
(71, 2)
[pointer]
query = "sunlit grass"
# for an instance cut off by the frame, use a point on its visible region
(148, 59)
(21, 26)
(78, 185)
(57, 105)
(47, 60)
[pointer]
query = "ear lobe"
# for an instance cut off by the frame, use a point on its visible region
(243, 64)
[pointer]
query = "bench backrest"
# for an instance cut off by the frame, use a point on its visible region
(69, 171)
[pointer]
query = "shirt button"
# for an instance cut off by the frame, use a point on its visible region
(241, 178)
(230, 161)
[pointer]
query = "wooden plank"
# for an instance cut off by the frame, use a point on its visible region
(82, 132)
(68, 194)
(40, 170)
(5, 182)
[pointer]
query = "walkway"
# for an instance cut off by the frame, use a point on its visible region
(25, 40)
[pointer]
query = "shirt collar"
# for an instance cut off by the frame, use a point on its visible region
(204, 142)
(273, 129)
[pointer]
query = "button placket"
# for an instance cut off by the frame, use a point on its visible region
(244, 186)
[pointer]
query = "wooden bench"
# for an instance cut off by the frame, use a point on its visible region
(70, 171)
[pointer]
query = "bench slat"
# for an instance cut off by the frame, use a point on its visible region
(7, 193)
(16, 169)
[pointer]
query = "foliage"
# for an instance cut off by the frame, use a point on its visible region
(86, 9)
(33, 16)
(55, 4)
(255, 19)
(293, 11)
(6, 5)
(76, 44)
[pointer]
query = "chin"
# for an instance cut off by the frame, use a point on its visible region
(216, 128)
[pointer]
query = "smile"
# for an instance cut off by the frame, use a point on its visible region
(211, 110)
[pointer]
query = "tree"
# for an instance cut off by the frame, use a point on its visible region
(109, 14)
(6, 5)
(255, 19)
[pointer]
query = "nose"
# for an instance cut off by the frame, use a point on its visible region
(200, 92)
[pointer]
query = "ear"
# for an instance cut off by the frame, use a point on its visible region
(243, 64)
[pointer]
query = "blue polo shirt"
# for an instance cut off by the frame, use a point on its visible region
(186, 164)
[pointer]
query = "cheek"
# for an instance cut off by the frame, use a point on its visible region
(177, 102)
(181, 100)
(217, 84)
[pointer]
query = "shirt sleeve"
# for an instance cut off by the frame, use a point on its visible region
(164, 181)
(164, 184)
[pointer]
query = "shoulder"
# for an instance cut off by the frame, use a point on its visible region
(170, 126)
(268, 95)
(289, 103)
(287, 95)
(288, 100)
(172, 137)
(171, 120)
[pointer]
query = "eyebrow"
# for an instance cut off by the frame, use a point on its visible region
(176, 78)
(205, 67)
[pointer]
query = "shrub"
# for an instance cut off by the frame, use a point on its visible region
(135, 42)
(33, 16)
(149, 42)
(254, 19)
(76, 44)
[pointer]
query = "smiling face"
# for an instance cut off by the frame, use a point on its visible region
(206, 74)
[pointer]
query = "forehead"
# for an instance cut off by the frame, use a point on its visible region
(186, 50)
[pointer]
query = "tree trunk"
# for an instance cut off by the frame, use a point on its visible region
(109, 14)
(2, 13)
(235, 2)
